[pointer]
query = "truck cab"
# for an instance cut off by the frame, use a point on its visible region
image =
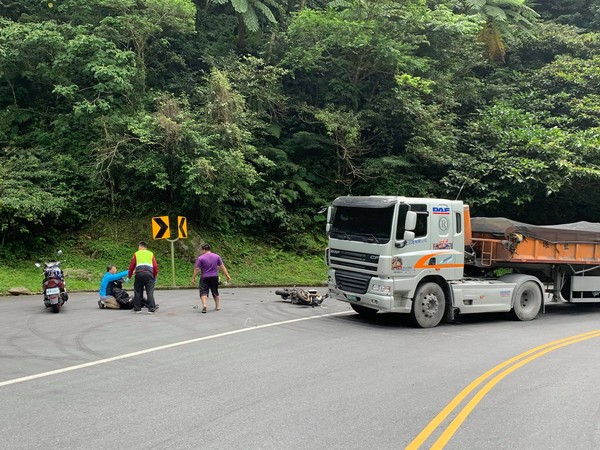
(406, 255)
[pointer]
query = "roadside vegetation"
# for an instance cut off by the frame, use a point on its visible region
(250, 117)
(251, 262)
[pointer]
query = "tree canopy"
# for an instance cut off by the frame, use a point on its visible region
(250, 115)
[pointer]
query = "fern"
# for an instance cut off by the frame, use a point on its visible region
(339, 4)
(251, 19)
(495, 13)
(475, 4)
(240, 6)
(266, 11)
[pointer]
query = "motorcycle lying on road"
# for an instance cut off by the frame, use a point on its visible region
(53, 286)
(299, 296)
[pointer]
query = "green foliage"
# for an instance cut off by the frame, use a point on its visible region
(249, 11)
(250, 116)
(514, 160)
(251, 262)
(30, 193)
(500, 17)
(575, 13)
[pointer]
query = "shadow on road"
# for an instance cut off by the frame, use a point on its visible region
(392, 320)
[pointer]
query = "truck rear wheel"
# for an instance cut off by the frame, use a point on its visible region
(363, 310)
(429, 305)
(527, 301)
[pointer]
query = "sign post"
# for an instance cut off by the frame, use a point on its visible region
(172, 241)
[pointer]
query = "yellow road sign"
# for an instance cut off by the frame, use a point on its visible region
(160, 227)
(181, 227)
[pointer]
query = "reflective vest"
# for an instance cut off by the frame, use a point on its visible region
(143, 258)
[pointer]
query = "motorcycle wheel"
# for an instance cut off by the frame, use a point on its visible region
(302, 297)
(284, 293)
(56, 308)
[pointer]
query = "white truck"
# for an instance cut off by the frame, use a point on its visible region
(428, 258)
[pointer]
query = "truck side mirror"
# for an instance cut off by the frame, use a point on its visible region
(327, 228)
(329, 212)
(410, 223)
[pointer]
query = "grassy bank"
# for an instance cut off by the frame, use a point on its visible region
(250, 262)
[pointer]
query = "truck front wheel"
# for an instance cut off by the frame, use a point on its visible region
(527, 301)
(429, 305)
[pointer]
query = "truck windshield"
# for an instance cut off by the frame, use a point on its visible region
(362, 224)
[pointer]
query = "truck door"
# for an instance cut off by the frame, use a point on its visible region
(445, 227)
(443, 230)
(432, 249)
(441, 227)
(405, 258)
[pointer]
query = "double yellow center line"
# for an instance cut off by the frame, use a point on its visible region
(509, 366)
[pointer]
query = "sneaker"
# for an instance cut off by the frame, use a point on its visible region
(203, 309)
(137, 311)
(101, 304)
(151, 311)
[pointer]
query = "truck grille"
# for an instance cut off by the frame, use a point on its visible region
(355, 256)
(352, 281)
(354, 266)
(354, 260)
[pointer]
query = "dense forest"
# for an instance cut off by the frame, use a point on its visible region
(249, 116)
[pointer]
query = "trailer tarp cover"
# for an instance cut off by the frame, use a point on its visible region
(569, 232)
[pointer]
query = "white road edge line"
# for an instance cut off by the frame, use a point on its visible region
(162, 347)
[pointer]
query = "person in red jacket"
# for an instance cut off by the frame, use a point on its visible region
(143, 265)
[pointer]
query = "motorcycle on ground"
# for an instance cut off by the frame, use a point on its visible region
(299, 296)
(53, 286)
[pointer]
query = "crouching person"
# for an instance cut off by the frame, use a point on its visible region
(112, 294)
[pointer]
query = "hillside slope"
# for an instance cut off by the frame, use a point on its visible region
(251, 262)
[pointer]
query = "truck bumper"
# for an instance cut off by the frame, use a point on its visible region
(396, 302)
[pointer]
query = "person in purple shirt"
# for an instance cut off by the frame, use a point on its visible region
(209, 264)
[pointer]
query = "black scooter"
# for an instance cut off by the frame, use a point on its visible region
(53, 286)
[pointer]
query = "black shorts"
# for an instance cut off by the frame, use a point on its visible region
(209, 283)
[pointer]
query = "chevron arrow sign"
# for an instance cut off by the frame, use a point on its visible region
(160, 227)
(181, 227)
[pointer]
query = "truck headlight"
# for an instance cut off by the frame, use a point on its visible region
(381, 289)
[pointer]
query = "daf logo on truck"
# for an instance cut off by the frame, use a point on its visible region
(540, 268)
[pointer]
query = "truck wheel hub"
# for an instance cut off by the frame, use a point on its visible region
(430, 305)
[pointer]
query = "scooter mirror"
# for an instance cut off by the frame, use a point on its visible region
(59, 253)
(38, 264)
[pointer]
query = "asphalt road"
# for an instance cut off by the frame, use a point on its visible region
(265, 374)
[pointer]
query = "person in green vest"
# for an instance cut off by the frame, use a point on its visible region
(143, 265)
